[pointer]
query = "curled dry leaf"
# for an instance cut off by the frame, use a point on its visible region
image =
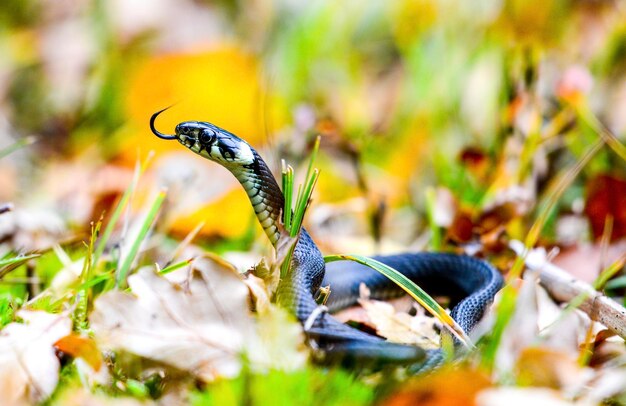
(269, 274)
(259, 295)
(401, 327)
(29, 367)
(201, 329)
(203, 326)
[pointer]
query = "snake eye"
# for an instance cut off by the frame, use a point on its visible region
(207, 137)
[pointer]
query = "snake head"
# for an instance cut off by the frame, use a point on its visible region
(209, 141)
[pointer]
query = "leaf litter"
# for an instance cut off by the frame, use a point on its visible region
(203, 326)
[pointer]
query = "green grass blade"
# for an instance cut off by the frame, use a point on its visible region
(288, 194)
(316, 147)
(617, 283)
(294, 216)
(106, 235)
(122, 271)
(435, 230)
(303, 203)
(412, 289)
(590, 119)
(94, 281)
(19, 144)
(176, 266)
(81, 300)
(16, 260)
(603, 279)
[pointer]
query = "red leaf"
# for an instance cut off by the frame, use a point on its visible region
(606, 196)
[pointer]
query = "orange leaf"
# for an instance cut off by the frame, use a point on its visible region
(81, 347)
(446, 387)
(223, 86)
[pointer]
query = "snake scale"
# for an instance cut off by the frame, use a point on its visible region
(469, 282)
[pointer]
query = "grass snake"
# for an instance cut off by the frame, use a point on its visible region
(469, 282)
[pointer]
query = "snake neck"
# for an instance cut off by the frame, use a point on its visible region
(264, 194)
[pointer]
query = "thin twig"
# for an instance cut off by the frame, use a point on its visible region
(563, 287)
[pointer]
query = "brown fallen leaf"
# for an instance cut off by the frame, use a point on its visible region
(446, 387)
(29, 367)
(81, 347)
(268, 273)
(401, 327)
(606, 196)
(202, 326)
(586, 261)
(260, 298)
(546, 367)
(201, 329)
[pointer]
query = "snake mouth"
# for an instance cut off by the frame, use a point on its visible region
(188, 141)
(155, 131)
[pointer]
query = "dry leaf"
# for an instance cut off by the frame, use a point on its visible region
(462, 228)
(259, 295)
(606, 196)
(522, 328)
(551, 368)
(203, 326)
(280, 343)
(269, 274)
(401, 327)
(29, 367)
(201, 329)
(446, 387)
(585, 261)
(81, 347)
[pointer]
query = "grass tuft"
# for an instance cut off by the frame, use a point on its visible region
(294, 212)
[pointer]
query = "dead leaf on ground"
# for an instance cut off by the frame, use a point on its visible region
(279, 342)
(606, 196)
(203, 326)
(400, 327)
(269, 274)
(607, 346)
(260, 299)
(81, 347)
(546, 367)
(29, 367)
(586, 261)
(201, 329)
(446, 387)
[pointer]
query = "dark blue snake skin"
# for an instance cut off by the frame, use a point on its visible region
(469, 282)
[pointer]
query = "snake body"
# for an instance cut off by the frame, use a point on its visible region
(469, 282)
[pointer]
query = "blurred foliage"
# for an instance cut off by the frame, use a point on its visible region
(443, 124)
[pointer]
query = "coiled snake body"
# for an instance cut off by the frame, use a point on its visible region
(470, 283)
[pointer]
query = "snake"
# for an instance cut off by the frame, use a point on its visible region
(469, 282)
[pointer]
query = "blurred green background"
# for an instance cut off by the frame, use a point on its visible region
(482, 98)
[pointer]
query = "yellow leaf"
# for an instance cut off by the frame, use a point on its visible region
(223, 86)
(228, 216)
